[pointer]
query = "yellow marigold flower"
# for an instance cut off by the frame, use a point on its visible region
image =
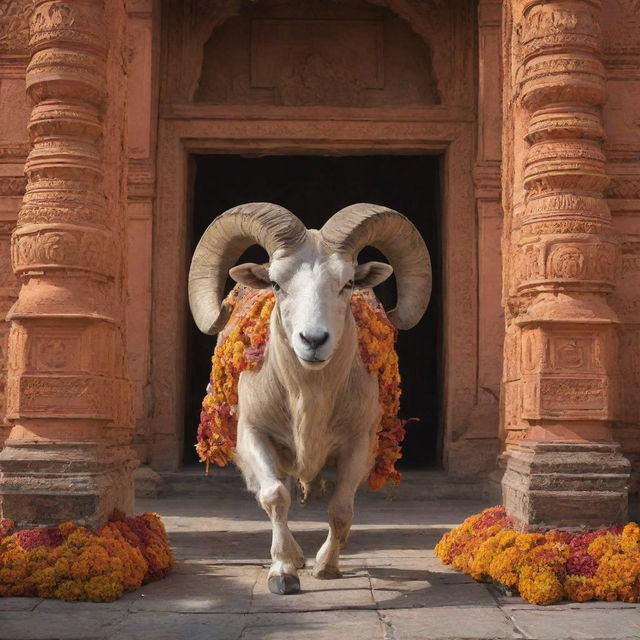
(603, 545)
(527, 541)
(539, 585)
(618, 577)
(74, 563)
(630, 537)
(506, 538)
(505, 566)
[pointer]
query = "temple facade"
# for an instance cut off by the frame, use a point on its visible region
(112, 110)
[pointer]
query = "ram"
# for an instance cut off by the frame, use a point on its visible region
(312, 402)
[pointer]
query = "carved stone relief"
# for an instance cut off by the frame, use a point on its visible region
(435, 55)
(14, 26)
(266, 56)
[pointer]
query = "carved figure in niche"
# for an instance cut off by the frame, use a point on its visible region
(531, 263)
(603, 263)
(92, 252)
(566, 262)
(54, 16)
(529, 351)
(545, 21)
(314, 401)
(53, 354)
(570, 353)
(56, 247)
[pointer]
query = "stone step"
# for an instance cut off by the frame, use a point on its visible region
(431, 484)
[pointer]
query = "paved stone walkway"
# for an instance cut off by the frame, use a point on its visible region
(393, 587)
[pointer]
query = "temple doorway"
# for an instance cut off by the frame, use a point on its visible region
(314, 187)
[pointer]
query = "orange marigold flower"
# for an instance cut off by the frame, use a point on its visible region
(539, 585)
(73, 563)
(603, 545)
(505, 566)
(545, 567)
(579, 588)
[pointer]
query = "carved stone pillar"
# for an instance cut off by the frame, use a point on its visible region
(68, 455)
(561, 375)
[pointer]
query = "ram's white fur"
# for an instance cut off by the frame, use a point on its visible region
(308, 406)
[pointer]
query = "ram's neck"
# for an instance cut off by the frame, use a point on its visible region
(313, 396)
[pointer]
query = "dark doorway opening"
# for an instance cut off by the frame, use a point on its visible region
(315, 187)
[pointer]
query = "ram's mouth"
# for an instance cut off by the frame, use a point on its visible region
(312, 363)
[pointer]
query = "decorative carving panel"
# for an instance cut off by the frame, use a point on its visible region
(317, 61)
(37, 396)
(541, 263)
(14, 26)
(348, 54)
(208, 49)
(64, 247)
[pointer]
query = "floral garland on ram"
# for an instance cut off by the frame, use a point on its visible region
(71, 562)
(550, 566)
(243, 349)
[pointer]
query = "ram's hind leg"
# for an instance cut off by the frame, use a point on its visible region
(257, 459)
(352, 466)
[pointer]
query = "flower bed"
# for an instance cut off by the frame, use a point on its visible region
(71, 562)
(549, 566)
(243, 349)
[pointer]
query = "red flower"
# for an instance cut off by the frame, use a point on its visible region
(43, 537)
(582, 564)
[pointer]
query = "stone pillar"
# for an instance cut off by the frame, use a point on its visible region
(561, 381)
(68, 454)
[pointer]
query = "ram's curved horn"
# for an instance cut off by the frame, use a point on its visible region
(269, 225)
(360, 225)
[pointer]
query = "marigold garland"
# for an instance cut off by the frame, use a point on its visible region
(549, 566)
(243, 348)
(71, 562)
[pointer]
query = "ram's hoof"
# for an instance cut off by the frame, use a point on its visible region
(328, 573)
(283, 584)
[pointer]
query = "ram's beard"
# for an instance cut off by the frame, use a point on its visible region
(312, 364)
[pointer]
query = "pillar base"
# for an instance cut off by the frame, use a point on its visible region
(47, 483)
(566, 484)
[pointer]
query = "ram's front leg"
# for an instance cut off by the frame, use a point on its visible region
(352, 466)
(257, 459)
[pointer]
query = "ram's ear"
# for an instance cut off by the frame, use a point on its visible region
(251, 275)
(371, 274)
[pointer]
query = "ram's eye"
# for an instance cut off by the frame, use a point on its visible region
(347, 286)
(275, 285)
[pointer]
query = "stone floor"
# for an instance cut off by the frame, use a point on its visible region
(393, 587)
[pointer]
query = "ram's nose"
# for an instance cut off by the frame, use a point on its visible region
(314, 339)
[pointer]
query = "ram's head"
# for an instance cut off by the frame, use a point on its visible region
(312, 272)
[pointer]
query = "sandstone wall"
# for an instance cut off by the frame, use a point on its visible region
(15, 109)
(621, 114)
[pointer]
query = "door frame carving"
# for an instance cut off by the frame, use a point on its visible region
(187, 129)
